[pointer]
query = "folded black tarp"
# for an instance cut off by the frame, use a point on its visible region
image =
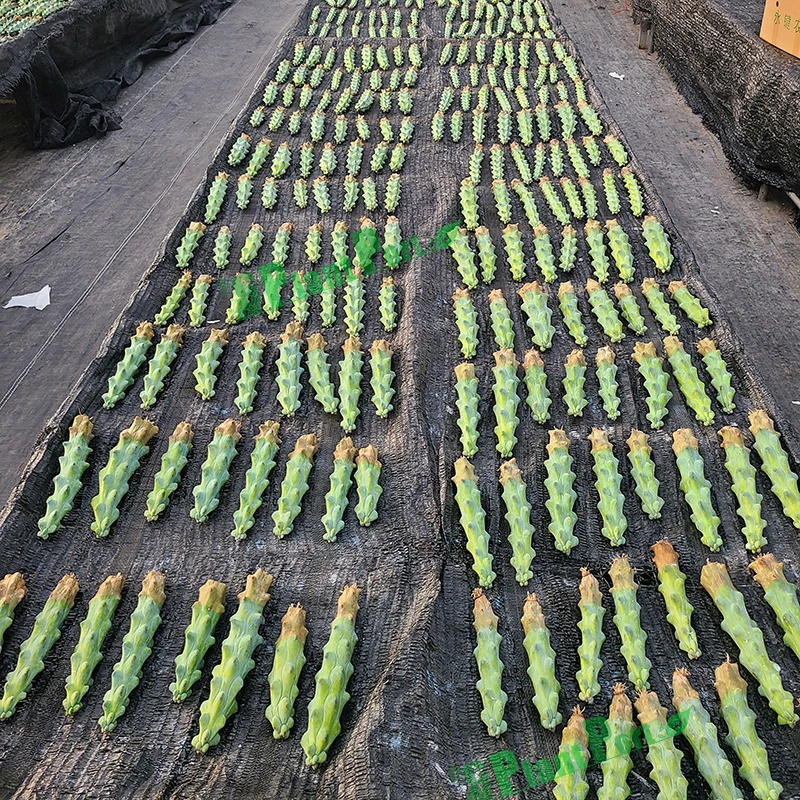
(63, 71)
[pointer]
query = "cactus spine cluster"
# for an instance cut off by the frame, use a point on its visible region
(573, 757)
(473, 520)
(129, 364)
(382, 377)
(688, 380)
(561, 496)
(368, 486)
(286, 667)
(207, 362)
(747, 636)
(672, 585)
(643, 471)
(290, 368)
(467, 405)
(294, 485)
(33, 651)
(617, 763)
(592, 636)
(350, 382)
(136, 648)
(215, 471)
(607, 380)
(67, 481)
(198, 638)
(541, 663)
(236, 661)
(608, 482)
(319, 373)
(538, 314)
(506, 400)
(169, 474)
(568, 304)
(781, 596)
(249, 371)
(627, 621)
(518, 516)
(12, 592)
(344, 457)
(466, 322)
(123, 461)
(573, 383)
(655, 382)
(490, 667)
(159, 366)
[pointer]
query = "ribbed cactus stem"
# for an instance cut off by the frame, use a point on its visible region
(596, 245)
(689, 304)
(344, 457)
(12, 592)
(512, 239)
(464, 257)
(387, 301)
(538, 314)
(294, 485)
(573, 383)
(592, 636)
(286, 667)
(643, 471)
(607, 380)
(506, 400)
(573, 757)
(543, 253)
(659, 306)
(568, 304)
(215, 471)
(621, 252)
(490, 667)
(168, 476)
(222, 243)
(486, 253)
(252, 244)
(538, 396)
(240, 298)
(249, 371)
(672, 585)
(319, 373)
(655, 382)
(718, 371)
(467, 405)
(290, 368)
(132, 359)
(604, 311)
(473, 520)
(466, 322)
(189, 243)
(199, 300)
(173, 299)
(165, 353)
(630, 308)
(207, 362)
(368, 485)
(354, 299)
(382, 377)
(608, 482)
(627, 620)
(561, 496)
(518, 516)
(502, 326)
(692, 388)
(350, 382)
(216, 196)
(541, 663)
(617, 764)
(781, 597)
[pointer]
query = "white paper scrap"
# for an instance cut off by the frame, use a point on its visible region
(616, 75)
(38, 300)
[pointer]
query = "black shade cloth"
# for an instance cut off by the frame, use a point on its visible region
(63, 71)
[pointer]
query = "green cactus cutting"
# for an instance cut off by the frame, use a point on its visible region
(543, 253)
(627, 621)
(742, 736)
(158, 369)
(368, 487)
(240, 304)
(658, 244)
(518, 516)
(136, 648)
(781, 597)
(696, 488)
(607, 380)
(561, 498)
(258, 158)
(467, 405)
(490, 667)
(88, 651)
(256, 479)
(169, 474)
(198, 638)
(350, 382)
(610, 191)
(620, 247)
(743, 484)
(468, 198)
(241, 147)
(512, 239)
(689, 304)
(554, 201)
(630, 309)
(294, 485)
(538, 396)
(685, 373)
(592, 150)
(592, 636)
(466, 322)
(327, 309)
(573, 757)
(281, 160)
(199, 300)
(521, 162)
(569, 248)
(473, 520)
(718, 371)
(604, 311)
(672, 585)
(528, 203)
(134, 356)
(775, 464)
(747, 636)
(222, 243)
(216, 196)
(174, 298)
(506, 400)
(285, 673)
(67, 481)
(556, 158)
(330, 694)
(573, 383)
(643, 472)
(502, 326)
(464, 257)
(659, 306)
(502, 200)
(573, 197)
(123, 460)
(249, 371)
(33, 651)
(382, 377)
(344, 457)
(207, 362)
(664, 757)
(634, 191)
(189, 243)
(290, 369)
(252, 244)
(319, 373)
(236, 661)
(392, 246)
(608, 482)
(570, 311)
(215, 471)
(541, 663)
(12, 592)
(244, 191)
(593, 211)
(387, 303)
(617, 764)
(354, 299)
(655, 382)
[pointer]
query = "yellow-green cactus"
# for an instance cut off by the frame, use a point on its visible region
(518, 516)
(207, 362)
(269, 194)
(256, 480)
(158, 369)
(556, 158)
(215, 471)
(538, 396)
(240, 148)
(561, 498)
(610, 191)
(685, 373)
(604, 311)
(634, 191)
(657, 243)
(249, 371)
(382, 377)
(198, 638)
(189, 243)
(236, 661)
(543, 252)
(592, 150)
(569, 248)
(174, 298)
(290, 369)
(672, 585)
(319, 373)
(199, 300)
(541, 663)
(33, 651)
(573, 383)
(123, 460)
(608, 481)
(132, 359)
(486, 254)
(12, 592)
(490, 667)
(300, 304)
(285, 673)
(781, 596)
(592, 636)
(240, 303)
(464, 257)
(743, 484)
(469, 203)
(570, 311)
(216, 196)
(630, 309)
(168, 476)
(616, 149)
(368, 487)
(258, 158)
(607, 380)
(281, 160)
(473, 520)
(521, 162)
(252, 244)
(528, 203)
(573, 757)
(554, 201)
(327, 308)
(314, 243)
(506, 400)
(621, 252)
(627, 621)
(643, 472)
(344, 457)
(392, 246)
(350, 382)
(775, 464)
(512, 240)
(136, 648)
(696, 488)
(747, 636)
(330, 695)
(294, 485)
(718, 371)
(502, 201)
(742, 736)
(387, 302)
(689, 304)
(322, 195)
(659, 306)
(573, 197)
(502, 326)
(655, 382)
(467, 405)
(617, 764)
(67, 481)
(664, 757)
(244, 191)
(590, 117)
(590, 202)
